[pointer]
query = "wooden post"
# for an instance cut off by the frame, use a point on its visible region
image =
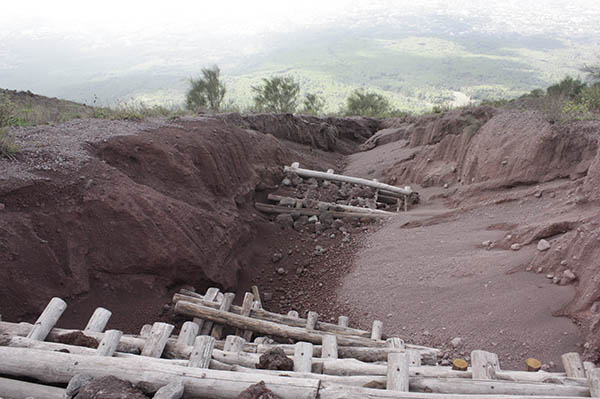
(343, 321)
(98, 321)
(303, 357)
(329, 349)
(233, 343)
(47, 319)
(257, 302)
(293, 314)
(414, 357)
(573, 365)
(594, 382)
(173, 390)
(395, 343)
(156, 342)
(484, 365)
(206, 326)
(217, 331)
(188, 334)
(588, 366)
(110, 342)
(202, 352)
(397, 372)
(311, 320)
(377, 330)
(145, 330)
(245, 311)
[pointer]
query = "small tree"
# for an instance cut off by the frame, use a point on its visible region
(278, 94)
(567, 88)
(313, 104)
(592, 71)
(206, 92)
(364, 103)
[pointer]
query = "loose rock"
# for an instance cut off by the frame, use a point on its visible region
(543, 245)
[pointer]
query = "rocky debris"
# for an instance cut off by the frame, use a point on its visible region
(77, 338)
(77, 382)
(568, 277)
(174, 390)
(319, 250)
(515, 247)
(257, 391)
(289, 202)
(275, 359)
(109, 388)
(456, 342)
(543, 245)
(276, 257)
(285, 220)
(313, 219)
(281, 271)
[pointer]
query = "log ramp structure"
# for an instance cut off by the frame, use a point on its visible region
(386, 196)
(330, 361)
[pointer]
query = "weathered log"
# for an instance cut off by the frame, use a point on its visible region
(15, 389)
(145, 330)
(57, 367)
(257, 300)
(343, 321)
(98, 321)
(233, 343)
(275, 209)
(245, 310)
(573, 365)
(311, 320)
(377, 330)
(484, 365)
(594, 382)
(217, 330)
(210, 297)
(266, 327)
(395, 343)
(202, 352)
(47, 319)
(187, 335)
(347, 179)
(329, 347)
(110, 342)
(156, 342)
(588, 366)
(397, 372)
(350, 208)
(174, 390)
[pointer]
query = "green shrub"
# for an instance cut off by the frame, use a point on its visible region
(8, 147)
(278, 94)
(7, 109)
(313, 104)
(590, 96)
(206, 92)
(568, 87)
(365, 103)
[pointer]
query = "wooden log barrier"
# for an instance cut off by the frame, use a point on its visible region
(202, 352)
(573, 365)
(98, 320)
(58, 367)
(47, 319)
(245, 310)
(397, 372)
(303, 357)
(484, 365)
(217, 330)
(187, 335)
(156, 342)
(110, 342)
(594, 382)
(210, 297)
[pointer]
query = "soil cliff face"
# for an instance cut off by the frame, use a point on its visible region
(146, 212)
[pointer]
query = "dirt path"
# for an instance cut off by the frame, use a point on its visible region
(436, 282)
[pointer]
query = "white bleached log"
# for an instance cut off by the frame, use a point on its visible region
(233, 343)
(174, 390)
(145, 330)
(311, 320)
(245, 310)
(350, 208)
(217, 330)
(588, 366)
(343, 321)
(188, 333)
(573, 365)
(157, 340)
(377, 330)
(110, 342)
(206, 325)
(98, 320)
(396, 343)
(484, 365)
(13, 389)
(257, 301)
(329, 347)
(47, 319)
(303, 357)
(593, 379)
(57, 367)
(202, 352)
(347, 179)
(397, 372)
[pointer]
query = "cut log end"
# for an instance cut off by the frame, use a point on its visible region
(533, 364)
(460, 365)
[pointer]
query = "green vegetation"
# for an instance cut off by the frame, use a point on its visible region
(8, 147)
(277, 94)
(206, 92)
(365, 103)
(313, 104)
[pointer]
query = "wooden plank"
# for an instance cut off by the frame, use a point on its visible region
(347, 179)
(245, 311)
(47, 319)
(573, 365)
(484, 365)
(15, 389)
(303, 357)
(217, 330)
(110, 342)
(98, 320)
(267, 327)
(188, 333)
(397, 372)
(202, 352)
(156, 342)
(57, 367)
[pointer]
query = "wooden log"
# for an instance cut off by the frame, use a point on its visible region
(303, 357)
(347, 179)
(15, 389)
(460, 365)
(233, 343)
(156, 342)
(573, 365)
(266, 327)
(532, 365)
(47, 319)
(173, 390)
(484, 365)
(217, 330)
(343, 321)
(588, 366)
(275, 209)
(414, 358)
(330, 347)
(594, 382)
(211, 297)
(202, 352)
(145, 330)
(57, 367)
(188, 333)
(245, 311)
(274, 197)
(395, 343)
(377, 330)
(262, 314)
(257, 301)
(110, 342)
(293, 314)
(397, 372)
(311, 320)
(98, 321)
